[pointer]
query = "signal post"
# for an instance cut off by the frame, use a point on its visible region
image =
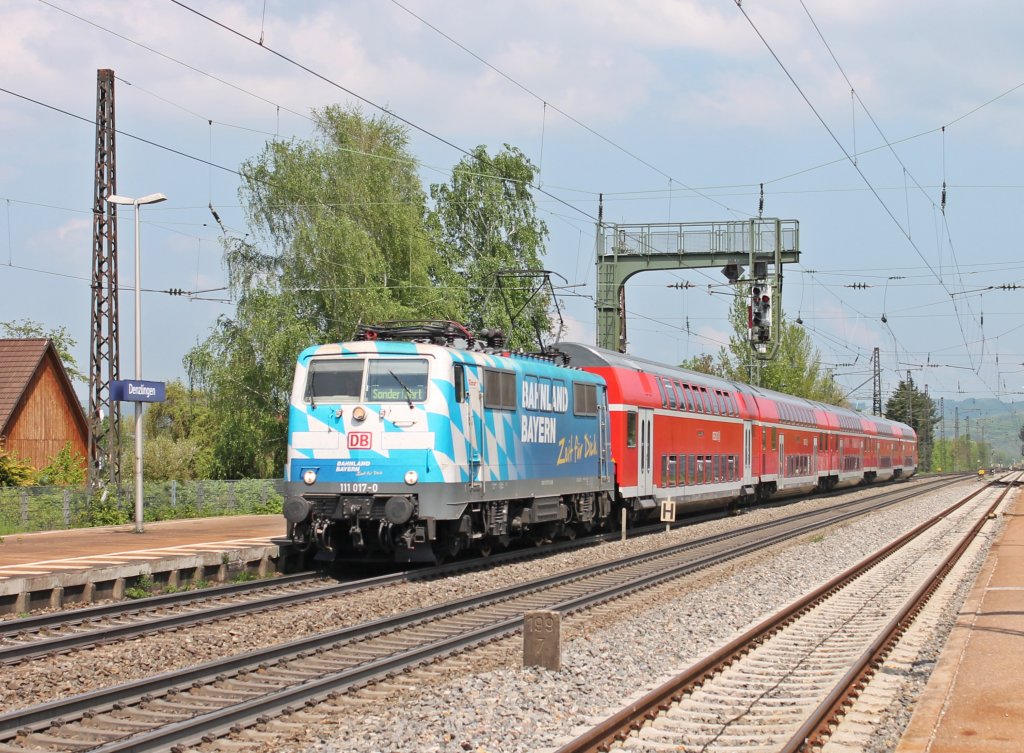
(761, 245)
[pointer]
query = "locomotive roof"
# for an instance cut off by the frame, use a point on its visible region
(592, 356)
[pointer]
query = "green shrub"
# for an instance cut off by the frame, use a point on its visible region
(14, 471)
(66, 468)
(143, 587)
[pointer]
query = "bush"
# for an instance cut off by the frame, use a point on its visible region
(67, 468)
(103, 510)
(14, 471)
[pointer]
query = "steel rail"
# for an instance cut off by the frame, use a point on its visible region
(817, 727)
(632, 717)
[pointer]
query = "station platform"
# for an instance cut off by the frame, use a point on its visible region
(974, 702)
(52, 569)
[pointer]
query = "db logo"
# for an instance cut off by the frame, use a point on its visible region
(359, 440)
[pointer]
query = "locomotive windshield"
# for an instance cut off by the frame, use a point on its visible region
(386, 380)
(334, 381)
(396, 381)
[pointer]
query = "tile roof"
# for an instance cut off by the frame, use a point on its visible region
(19, 360)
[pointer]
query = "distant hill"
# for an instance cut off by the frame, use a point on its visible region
(996, 422)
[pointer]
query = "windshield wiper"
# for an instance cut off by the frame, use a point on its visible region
(408, 392)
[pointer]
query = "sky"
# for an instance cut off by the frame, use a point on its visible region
(851, 114)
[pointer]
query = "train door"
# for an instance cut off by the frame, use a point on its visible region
(472, 418)
(782, 458)
(603, 443)
(645, 453)
(748, 434)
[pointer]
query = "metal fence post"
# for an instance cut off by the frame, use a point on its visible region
(174, 493)
(23, 497)
(67, 508)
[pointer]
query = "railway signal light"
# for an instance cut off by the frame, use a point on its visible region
(766, 313)
(760, 312)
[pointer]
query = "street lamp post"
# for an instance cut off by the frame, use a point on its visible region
(152, 198)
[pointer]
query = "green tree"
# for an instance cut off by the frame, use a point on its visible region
(796, 368)
(337, 238)
(704, 363)
(916, 409)
(179, 436)
(485, 222)
(62, 342)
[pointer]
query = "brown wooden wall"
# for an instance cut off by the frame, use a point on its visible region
(45, 420)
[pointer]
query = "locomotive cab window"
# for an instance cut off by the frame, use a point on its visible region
(396, 381)
(459, 378)
(334, 381)
(499, 389)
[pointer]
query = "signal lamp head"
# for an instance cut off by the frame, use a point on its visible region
(309, 476)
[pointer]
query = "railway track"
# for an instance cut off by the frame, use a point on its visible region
(783, 685)
(180, 708)
(33, 637)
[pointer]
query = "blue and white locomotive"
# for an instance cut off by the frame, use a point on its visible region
(415, 449)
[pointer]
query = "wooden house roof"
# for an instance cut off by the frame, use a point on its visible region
(19, 361)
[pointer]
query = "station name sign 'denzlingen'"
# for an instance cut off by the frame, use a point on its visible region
(137, 391)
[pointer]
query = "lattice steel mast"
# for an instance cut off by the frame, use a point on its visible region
(104, 436)
(876, 384)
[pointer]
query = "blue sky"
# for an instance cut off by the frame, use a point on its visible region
(851, 113)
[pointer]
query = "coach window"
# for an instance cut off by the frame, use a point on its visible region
(671, 471)
(691, 474)
(499, 389)
(716, 468)
(774, 436)
(670, 395)
(680, 399)
(680, 469)
(631, 429)
(661, 391)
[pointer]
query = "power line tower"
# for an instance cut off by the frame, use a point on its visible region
(876, 390)
(910, 399)
(104, 437)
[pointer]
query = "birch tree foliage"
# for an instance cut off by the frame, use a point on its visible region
(484, 222)
(336, 237)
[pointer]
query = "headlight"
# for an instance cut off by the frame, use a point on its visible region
(359, 413)
(309, 476)
(411, 477)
